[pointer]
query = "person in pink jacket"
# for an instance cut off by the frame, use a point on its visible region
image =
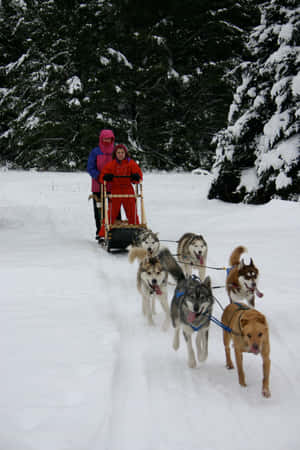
(98, 158)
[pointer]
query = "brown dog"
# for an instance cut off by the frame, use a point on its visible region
(249, 332)
(241, 282)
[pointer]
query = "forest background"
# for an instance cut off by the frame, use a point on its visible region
(186, 85)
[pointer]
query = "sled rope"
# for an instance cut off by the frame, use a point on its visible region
(222, 325)
(167, 240)
(200, 265)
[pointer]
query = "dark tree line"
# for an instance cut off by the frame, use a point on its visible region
(158, 73)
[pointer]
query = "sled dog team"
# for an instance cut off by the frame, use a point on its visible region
(192, 303)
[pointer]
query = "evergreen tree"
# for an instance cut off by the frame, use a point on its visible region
(258, 155)
(155, 73)
(180, 53)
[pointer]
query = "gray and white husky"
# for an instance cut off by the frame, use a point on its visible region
(152, 283)
(148, 240)
(192, 252)
(191, 308)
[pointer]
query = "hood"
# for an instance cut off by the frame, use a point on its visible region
(120, 146)
(107, 147)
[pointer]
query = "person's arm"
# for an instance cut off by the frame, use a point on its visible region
(108, 168)
(92, 164)
(135, 169)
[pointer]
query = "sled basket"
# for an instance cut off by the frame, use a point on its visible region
(121, 234)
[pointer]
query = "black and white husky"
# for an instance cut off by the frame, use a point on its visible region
(152, 283)
(192, 252)
(148, 240)
(191, 308)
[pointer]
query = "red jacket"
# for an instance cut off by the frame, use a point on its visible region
(121, 168)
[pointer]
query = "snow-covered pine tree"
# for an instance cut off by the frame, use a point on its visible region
(257, 156)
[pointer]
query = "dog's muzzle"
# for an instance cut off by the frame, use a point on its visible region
(254, 349)
(253, 288)
(198, 310)
(155, 287)
(199, 257)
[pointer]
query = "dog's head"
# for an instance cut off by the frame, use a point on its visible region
(248, 275)
(152, 272)
(150, 242)
(197, 299)
(198, 248)
(254, 329)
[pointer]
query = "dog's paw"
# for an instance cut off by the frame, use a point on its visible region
(192, 363)
(202, 356)
(266, 392)
(176, 344)
(165, 325)
(243, 383)
(230, 366)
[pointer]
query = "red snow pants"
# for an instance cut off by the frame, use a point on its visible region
(129, 205)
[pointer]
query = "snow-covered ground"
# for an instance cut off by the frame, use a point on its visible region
(81, 369)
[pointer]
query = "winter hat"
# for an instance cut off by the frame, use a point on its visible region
(116, 148)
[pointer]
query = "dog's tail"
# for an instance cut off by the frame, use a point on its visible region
(236, 254)
(137, 252)
(170, 264)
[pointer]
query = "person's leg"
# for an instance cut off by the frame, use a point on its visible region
(131, 210)
(113, 212)
(97, 211)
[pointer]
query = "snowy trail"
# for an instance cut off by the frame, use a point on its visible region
(82, 370)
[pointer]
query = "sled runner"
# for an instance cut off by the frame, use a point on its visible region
(121, 234)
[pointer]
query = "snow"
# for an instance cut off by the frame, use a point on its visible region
(275, 127)
(296, 85)
(81, 369)
(283, 155)
(248, 180)
(74, 84)
(120, 57)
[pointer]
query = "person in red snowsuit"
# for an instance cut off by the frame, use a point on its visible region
(121, 165)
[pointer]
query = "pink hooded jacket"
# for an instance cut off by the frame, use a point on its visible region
(99, 157)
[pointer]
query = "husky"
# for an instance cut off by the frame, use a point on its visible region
(152, 282)
(191, 308)
(192, 251)
(241, 282)
(148, 240)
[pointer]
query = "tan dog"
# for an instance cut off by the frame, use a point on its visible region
(249, 334)
(241, 282)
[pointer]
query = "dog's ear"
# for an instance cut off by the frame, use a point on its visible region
(251, 262)
(244, 322)
(241, 264)
(156, 234)
(207, 282)
(261, 319)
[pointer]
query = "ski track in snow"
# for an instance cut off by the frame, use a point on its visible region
(81, 367)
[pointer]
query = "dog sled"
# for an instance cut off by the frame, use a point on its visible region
(120, 234)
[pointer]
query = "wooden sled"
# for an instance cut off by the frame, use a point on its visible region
(121, 234)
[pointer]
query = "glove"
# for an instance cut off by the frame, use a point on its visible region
(135, 177)
(108, 177)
